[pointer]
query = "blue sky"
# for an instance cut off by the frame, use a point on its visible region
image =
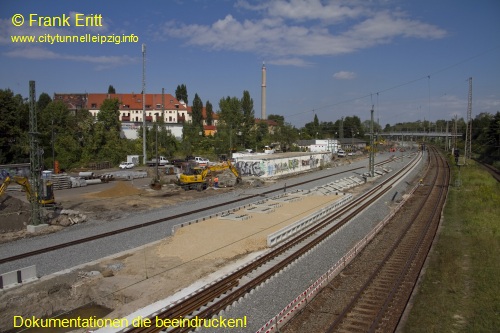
(410, 59)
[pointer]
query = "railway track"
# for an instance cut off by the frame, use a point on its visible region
(210, 300)
(165, 219)
(378, 305)
(494, 172)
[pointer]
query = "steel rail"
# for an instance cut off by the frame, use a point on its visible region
(153, 222)
(391, 264)
(351, 209)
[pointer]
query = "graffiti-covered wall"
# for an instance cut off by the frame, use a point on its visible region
(280, 166)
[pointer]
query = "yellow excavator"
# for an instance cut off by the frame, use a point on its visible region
(47, 197)
(196, 177)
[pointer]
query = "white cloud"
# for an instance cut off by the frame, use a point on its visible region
(297, 62)
(301, 10)
(344, 75)
(101, 62)
(296, 29)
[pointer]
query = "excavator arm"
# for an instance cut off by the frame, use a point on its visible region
(24, 182)
(4, 186)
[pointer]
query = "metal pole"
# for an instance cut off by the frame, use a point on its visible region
(157, 158)
(35, 165)
(372, 148)
(144, 103)
(53, 151)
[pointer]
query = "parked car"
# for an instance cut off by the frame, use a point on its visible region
(201, 161)
(341, 153)
(126, 165)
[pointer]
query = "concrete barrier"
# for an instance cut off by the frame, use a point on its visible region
(15, 278)
(310, 220)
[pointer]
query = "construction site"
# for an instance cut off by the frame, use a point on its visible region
(125, 282)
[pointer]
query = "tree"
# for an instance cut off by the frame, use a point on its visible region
(209, 113)
(14, 125)
(111, 90)
(248, 117)
(230, 112)
(353, 127)
(492, 153)
(55, 124)
(43, 100)
(286, 135)
(280, 120)
(197, 110)
(181, 93)
(109, 115)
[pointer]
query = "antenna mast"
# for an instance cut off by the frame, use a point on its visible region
(144, 103)
(468, 134)
(35, 158)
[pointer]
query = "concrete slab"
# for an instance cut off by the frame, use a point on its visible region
(287, 199)
(301, 193)
(260, 209)
(235, 216)
(268, 203)
(36, 228)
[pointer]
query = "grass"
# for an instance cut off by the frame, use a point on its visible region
(460, 291)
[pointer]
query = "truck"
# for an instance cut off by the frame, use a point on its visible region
(160, 160)
(46, 198)
(196, 177)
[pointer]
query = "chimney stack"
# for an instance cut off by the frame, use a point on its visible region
(263, 93)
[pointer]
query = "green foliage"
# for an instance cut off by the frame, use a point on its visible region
(230, 112)
(190, 136)
(248, 118)
(109, 115)
(166, 142)
(111, 90)
(492, 140)
(181, 93)
(285, 135)
(197, 112)
(209, 113)
(14, 126)
(280, 120)
(461, 287)
(43, 100)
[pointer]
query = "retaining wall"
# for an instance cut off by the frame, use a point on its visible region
(273, 165)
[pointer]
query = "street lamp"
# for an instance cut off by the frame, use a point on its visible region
(352, 139)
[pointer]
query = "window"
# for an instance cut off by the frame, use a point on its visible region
(94, 105)
(158, 106)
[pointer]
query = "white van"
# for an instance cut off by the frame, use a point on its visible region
(341, 153)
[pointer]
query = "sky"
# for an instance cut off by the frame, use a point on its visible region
(409, 60)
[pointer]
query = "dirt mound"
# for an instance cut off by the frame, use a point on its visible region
(14, 214)
(121, 189)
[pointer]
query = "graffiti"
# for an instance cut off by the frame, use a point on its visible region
(277, 167)
(250, 168)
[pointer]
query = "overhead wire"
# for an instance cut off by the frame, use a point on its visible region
(400, 84)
